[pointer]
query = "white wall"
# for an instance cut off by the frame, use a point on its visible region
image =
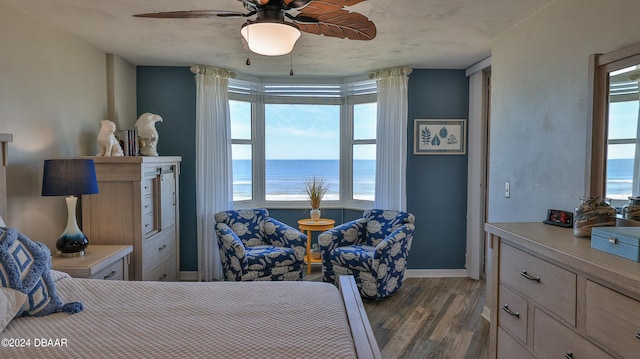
(53, 94)
(122, 77)
(539, 105)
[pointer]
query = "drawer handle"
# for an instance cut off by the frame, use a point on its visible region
(110, 275)
(529, 276)
(163, 277)
(613, 240)
(569, 355)
(163, 247)
(638, 335)
(510, 312)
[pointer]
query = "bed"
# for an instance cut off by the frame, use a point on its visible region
(195, 319)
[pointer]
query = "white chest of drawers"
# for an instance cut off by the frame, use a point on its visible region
(552, 296)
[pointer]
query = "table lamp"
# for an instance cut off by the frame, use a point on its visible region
(70, 178)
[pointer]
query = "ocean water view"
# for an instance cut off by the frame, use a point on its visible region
(285, 179)
(619, 178)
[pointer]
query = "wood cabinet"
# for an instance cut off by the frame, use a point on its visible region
(109, 262)
(552, 296)
(137, 204)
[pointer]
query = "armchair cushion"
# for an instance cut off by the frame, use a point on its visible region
(359, 257)
(266, 257)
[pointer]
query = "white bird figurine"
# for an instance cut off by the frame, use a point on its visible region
(147, 134)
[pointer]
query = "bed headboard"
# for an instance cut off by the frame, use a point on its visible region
(5, 138)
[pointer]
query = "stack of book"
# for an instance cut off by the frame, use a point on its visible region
(128, 141)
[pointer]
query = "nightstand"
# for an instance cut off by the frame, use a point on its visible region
(99, 262)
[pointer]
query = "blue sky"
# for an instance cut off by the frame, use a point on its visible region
(623, 121)
(295, 131)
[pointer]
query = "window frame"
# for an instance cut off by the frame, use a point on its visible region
(349, 95)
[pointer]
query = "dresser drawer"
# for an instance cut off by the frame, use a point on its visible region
(147, 187)
(158, 248)
(513, 313)
(613, 320)
(148, 223)
(165, 272)
(551, 339)
(509, 348)
(114, 271)
(547, 284)
(147, 204)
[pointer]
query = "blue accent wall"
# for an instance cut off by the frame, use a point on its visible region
(436, 184)
(171, 93)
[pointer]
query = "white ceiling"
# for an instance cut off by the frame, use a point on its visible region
(452, 34)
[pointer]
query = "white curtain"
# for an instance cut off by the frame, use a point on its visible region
(213, 164)
(391, 138)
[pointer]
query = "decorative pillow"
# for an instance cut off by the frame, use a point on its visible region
(2, 224)
(25, 266)
(11, 302)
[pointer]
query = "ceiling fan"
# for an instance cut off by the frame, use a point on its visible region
(269, 34)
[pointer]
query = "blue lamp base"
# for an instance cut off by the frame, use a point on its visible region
(72, 246)
(72, 241)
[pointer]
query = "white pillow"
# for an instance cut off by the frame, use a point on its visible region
(56, 275)
(2, 223)
(11, 301)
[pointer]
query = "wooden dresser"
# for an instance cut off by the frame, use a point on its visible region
(137, 204)
(552, 296)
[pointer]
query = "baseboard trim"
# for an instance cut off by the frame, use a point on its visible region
(486, 313)
(192, 276)
(188, 276)
(436, 273)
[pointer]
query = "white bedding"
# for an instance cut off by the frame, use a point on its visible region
(187, 320)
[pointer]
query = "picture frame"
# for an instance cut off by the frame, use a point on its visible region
(439, 137)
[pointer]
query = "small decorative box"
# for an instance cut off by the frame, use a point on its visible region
(621, 241)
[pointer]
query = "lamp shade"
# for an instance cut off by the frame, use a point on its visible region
(69, 177)
(270, 38)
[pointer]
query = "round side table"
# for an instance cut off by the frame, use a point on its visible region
(309, 225)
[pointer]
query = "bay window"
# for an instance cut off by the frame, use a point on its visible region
(284, 134)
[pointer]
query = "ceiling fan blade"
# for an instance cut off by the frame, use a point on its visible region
(341, 24)
(257, 2)
(192, 14)
(318, 7)
(295, 4)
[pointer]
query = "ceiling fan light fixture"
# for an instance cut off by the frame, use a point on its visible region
(270, 38)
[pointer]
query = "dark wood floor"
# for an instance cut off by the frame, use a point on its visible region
(430, 318)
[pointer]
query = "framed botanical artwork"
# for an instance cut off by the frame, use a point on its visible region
(439, 137)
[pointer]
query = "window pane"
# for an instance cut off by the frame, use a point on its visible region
(623, 119)
(364, 121)
(240, 114)
(301, 141)
(242, 180)
(364, 172)
(620, 171)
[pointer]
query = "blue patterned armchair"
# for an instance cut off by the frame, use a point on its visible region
(254, 246)
(373, 249)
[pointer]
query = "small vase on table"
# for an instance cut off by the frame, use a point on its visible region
(315, 214)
